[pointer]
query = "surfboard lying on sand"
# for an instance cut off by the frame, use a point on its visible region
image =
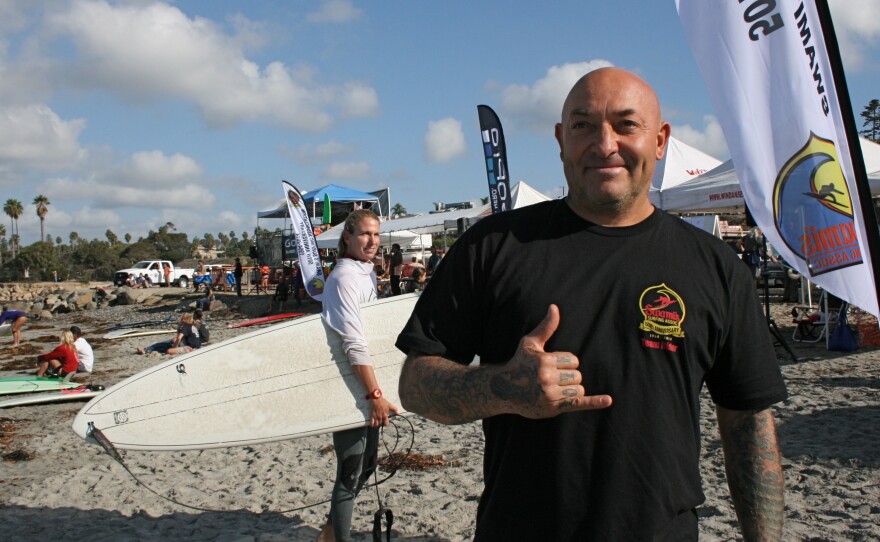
(142, 323)
(31, 384)
(285, 381)
(127, 333)
(266, 319)
(82, 392)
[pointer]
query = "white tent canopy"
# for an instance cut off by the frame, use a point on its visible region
(679, 164)
(521, 195)
(404, 238)
(719, 188)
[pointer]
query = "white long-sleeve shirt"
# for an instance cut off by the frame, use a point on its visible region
(350, 284)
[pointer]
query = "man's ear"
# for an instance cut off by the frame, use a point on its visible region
(663, 139)
(558, 133)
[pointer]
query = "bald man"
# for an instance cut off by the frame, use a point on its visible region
(597, 319)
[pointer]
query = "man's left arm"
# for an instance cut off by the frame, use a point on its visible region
(754, 472)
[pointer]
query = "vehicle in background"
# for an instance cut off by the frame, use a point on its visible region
(154, 269)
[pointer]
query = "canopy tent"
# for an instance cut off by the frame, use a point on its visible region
(404, 238)
(521, 195)
(680, 163)
(338, 194)
(719, 188)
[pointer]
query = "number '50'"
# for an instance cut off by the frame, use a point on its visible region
(756, 14)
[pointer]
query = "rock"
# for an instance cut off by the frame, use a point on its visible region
(125, 296)
(80, 299)
(46, 315)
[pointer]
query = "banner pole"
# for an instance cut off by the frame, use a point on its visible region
(852, 137)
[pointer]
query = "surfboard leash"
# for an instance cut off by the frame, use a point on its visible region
(383, 512)
(111, 450)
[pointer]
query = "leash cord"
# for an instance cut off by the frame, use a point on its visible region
(111, 450)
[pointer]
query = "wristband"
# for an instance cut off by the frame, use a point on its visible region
(375, 394)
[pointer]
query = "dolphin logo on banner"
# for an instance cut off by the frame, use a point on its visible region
(813, 209)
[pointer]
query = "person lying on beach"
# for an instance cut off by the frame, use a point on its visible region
(186, 340)
(17, 319)
(62, 360)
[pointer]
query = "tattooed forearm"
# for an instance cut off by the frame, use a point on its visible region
(754, 472)
(447, 392)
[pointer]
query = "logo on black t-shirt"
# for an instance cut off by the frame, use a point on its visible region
(663, 311)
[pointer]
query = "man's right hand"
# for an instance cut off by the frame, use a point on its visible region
(541, 384)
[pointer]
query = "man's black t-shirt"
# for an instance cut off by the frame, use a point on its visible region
(652, 311)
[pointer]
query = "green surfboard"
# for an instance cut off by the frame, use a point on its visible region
(31, 383)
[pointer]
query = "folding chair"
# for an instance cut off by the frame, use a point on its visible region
(814, 323)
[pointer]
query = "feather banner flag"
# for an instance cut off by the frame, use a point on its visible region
(495, 153)
(306, 246)
(774, 76)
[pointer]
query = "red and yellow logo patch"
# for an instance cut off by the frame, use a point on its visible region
(664, 313)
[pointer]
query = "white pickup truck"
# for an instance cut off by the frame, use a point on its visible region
(153, 269)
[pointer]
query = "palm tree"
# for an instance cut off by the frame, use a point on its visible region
(74, 237)
(42, 203)
(2, 241)
(398, 210)
(13, 208)
(127, 238)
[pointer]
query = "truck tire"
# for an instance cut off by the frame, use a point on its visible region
(183, 282)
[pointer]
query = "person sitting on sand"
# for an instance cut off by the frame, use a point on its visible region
(84, 352)
(186, 340)
(199, 324)
(17, 319)
(60, 361)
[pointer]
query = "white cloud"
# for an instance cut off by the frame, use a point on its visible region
(347, 171)
(857, 26)
(85, 219)
(147, 179)
(335, 11)
(709, 138)
(444, 140)
(358, 100)
(157, 170)
(154, 51)
(310, 154)
(34, 136)
(539, 106)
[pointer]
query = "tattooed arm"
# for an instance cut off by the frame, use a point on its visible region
(754, 473)
(534, 383)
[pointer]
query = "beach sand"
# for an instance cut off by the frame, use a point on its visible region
(54, 486)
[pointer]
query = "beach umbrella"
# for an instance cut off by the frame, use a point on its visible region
(326, 219)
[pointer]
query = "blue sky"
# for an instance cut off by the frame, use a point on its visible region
(128, 115)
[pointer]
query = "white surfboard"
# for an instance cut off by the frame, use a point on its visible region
(282, 382)
(79, 393)
(128, 333)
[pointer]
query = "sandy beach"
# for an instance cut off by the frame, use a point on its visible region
(55, 486)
